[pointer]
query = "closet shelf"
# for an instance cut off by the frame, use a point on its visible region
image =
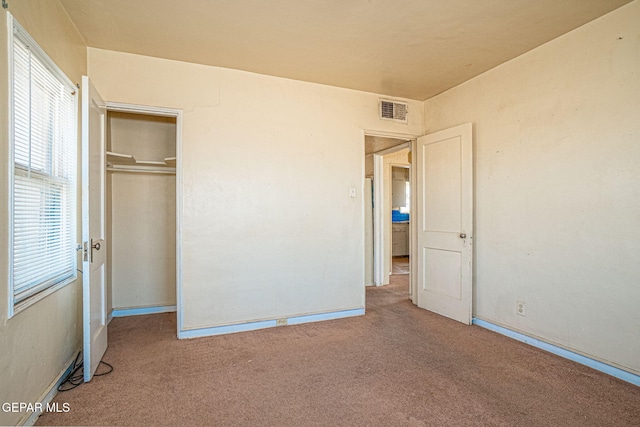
(120, 159)
(128, 163)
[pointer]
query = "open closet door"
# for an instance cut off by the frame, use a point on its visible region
(444, 162)
(94, 304)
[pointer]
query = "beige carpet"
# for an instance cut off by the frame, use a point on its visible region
(396, 366)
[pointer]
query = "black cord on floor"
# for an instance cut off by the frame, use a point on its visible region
(76, 376)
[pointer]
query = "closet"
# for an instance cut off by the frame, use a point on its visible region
(141, 213)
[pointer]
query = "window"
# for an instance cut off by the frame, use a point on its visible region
(42, 137)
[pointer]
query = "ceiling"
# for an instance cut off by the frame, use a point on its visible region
(404, 48)
(373, 144)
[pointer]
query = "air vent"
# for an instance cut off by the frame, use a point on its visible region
(392, 110)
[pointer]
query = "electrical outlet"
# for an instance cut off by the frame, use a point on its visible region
(281, 322)
(352, 192)
(520, 308)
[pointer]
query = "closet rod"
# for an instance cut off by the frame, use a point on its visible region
(131, 170)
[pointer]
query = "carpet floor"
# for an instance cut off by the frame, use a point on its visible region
(396, 366)
(400, 265)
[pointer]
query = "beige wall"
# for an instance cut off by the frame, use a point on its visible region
(143, 215)
(269, 229)
(557, 150)
(37, 343)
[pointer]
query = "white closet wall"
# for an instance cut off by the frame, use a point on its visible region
(143, 214)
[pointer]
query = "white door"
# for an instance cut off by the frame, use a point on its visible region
(94, 304)
(444, 211)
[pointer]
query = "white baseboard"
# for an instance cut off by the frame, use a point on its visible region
(252, 326)
(562, 352)
(137, 311)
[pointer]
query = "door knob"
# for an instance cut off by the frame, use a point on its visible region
(95, 246)
(463, 236)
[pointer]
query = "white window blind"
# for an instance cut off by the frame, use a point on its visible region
(43, 192)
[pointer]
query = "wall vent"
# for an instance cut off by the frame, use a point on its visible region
(393, 110)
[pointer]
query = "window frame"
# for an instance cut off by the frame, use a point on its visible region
(15, 30)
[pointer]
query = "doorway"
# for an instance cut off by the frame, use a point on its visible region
(400, 216)
(142, 210)
(141, 213)
(382, 219)
(98, 155)
(441, 234)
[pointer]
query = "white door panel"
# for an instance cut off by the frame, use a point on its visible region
(438, 263)
(442, 189)
(445, 222)
(94, 305)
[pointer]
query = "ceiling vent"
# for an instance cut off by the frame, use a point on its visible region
(393, 110)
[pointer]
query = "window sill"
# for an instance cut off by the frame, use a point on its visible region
(23, 305)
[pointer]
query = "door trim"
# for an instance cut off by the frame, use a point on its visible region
(413, 226)
(167, 112)
(380, 276)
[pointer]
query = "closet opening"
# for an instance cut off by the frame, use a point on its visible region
(141, 213)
